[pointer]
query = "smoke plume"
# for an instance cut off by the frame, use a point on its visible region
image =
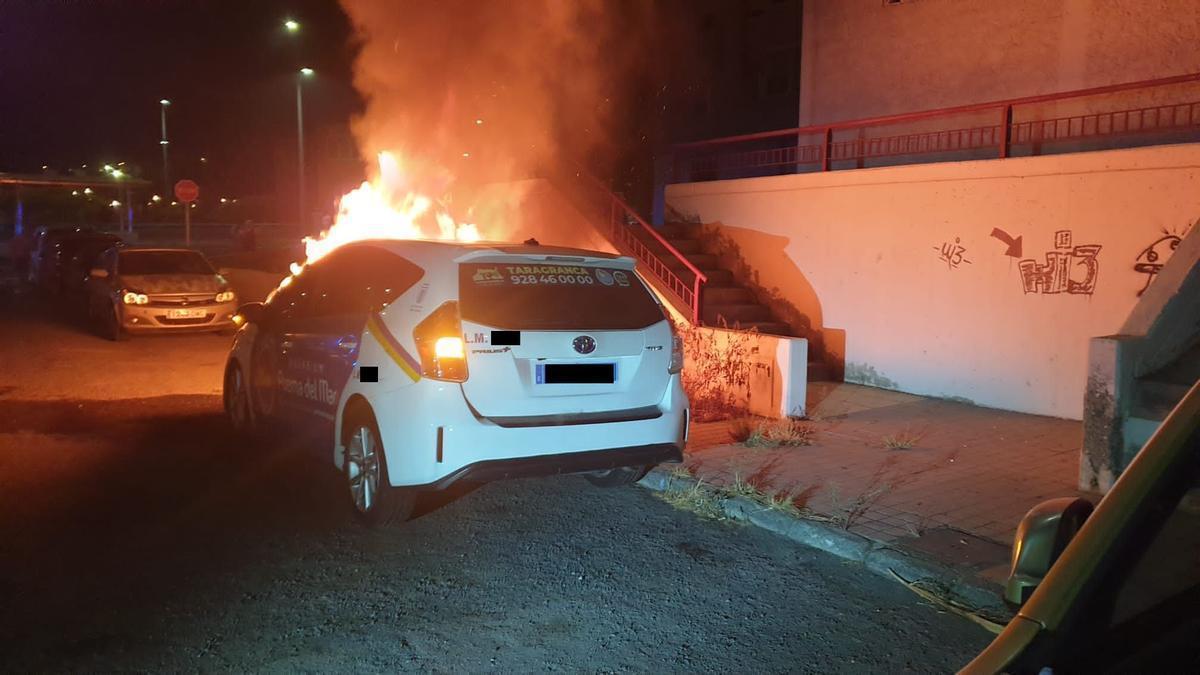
(474, 91)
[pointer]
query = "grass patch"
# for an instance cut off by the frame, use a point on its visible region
(698, 498)
(904, 440)
(763, 433)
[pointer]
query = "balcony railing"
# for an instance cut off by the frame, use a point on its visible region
(1165, 110)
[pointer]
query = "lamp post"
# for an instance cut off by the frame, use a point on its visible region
(303, 73)
(163, 103)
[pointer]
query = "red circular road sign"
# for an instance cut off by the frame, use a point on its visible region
(187, 190)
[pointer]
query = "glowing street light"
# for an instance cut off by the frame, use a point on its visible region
(478, 121)
(306, 71)
(156, 199)
(87, 191)
(291, 25)
(117, 173)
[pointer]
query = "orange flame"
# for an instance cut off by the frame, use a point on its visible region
(377, 210)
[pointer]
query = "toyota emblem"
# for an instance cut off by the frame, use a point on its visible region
(584, 344)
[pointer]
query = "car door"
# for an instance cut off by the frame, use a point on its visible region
(350, 284)
(296, 369)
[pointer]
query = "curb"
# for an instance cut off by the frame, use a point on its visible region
(878, 557)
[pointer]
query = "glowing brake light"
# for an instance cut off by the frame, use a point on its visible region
(449, 348)
(440, 345)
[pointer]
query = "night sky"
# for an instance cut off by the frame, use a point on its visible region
(80, 83)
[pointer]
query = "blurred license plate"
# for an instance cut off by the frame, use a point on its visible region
(185, 313)
(576, 373)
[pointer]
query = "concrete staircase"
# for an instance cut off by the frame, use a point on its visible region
(725, 301)
(1156, 394)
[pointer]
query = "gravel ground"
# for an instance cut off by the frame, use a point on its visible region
(139, 534)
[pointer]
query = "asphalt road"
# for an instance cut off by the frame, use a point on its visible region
(138, 533)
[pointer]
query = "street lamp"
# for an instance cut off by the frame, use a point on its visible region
(291, 25)
(163, 103)
(304, 72)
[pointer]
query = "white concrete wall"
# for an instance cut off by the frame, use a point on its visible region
(860, 252)
(860, 58)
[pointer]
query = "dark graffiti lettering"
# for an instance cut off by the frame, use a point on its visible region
(952, 253)
(1068, 269)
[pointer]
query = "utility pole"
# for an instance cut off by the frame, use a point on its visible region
(163, 103)
(304, 72)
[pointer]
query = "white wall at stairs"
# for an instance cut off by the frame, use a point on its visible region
(864, 252)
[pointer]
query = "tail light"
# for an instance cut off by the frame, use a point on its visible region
(440, 345)
(676, 364)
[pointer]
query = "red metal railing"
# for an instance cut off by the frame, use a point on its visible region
(817, 148)
(633, 235)
(625, 235)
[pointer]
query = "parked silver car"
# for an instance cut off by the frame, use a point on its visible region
(133, 290)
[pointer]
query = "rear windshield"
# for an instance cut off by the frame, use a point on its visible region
(163, 262)
(554, 297)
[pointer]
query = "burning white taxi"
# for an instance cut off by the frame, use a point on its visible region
(424, 363)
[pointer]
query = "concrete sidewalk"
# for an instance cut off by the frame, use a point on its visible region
(940, 479)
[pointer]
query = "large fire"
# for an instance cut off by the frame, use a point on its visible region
(385, 208)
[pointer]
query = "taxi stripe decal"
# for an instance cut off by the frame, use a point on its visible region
(391, 345)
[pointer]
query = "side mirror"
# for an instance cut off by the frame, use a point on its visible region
(1042, 536)
(98, 273)
(251, 312)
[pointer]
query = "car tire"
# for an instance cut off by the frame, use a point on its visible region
(236, 395)
(372, 497)
(263, 387)
(113, 330)
(626, 475)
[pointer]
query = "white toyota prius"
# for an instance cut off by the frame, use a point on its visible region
(424, 363)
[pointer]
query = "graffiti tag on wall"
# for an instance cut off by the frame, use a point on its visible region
(952, 253)
(1068, 268)
(1152, 258)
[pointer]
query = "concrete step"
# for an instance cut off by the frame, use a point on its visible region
(1184, 370)
(1137, 431)
(686, 245)
(819, 371)
(1153, 399)
(717, 277)
(766, 327)
(742, 313)
(702, 260)
(727, 295)
(680, 230)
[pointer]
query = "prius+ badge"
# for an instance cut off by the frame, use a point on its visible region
(584, 344)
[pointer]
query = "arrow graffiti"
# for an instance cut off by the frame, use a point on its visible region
(1014, 245)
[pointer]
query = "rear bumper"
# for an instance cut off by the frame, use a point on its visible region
(551, 465)
(432, 437)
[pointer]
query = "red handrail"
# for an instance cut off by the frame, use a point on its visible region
(690, 297)
(940, 112)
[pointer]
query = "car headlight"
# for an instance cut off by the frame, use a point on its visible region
(225, 296)
(134, 298)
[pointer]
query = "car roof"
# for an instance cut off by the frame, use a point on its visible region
(433, 251)
(158, 249)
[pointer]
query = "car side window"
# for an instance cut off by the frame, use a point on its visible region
(361, 279)
(294, 302)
